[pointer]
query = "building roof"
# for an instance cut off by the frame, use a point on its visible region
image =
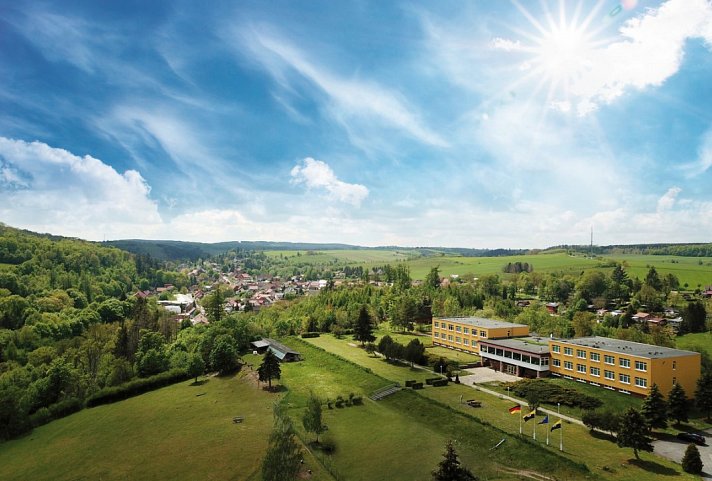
(533, 345)
(481, 322)
(628, 347)
(260, 344)
(279, 349)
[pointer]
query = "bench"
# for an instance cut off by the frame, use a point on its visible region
(474, 403)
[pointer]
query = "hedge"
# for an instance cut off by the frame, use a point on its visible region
(56, 411)
(137, 386)
(307, 335)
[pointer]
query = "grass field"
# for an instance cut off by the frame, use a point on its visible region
(171, 433)
(601, 455)
(695, 341)
(692, 271)
(427, 341)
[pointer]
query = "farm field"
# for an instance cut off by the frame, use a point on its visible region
(693, 271)
(602, 456)
(171, 433)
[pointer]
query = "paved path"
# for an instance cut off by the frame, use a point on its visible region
(674, 449)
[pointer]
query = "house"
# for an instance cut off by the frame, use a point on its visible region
(283, 353)
(519, 356)
(552, 307)
(463, 333)
(641, 316)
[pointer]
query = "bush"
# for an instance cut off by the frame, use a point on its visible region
(439, 383)
(357, 400)
(409, 383)
(547, 392)
(431, 380)
(56, 411)
(604, 420)
(134, 388)
(308, 335)
(417, 385)
(339, 401)
(691, 461)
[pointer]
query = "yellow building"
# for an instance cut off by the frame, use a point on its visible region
(628, 367)
(464, 333)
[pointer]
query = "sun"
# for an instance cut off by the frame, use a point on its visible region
(562, 53)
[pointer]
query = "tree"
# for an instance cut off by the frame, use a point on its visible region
(269, 369)
(414, 352)
(432, 280)
(312, 417)
(619, 279)
(633, 432)
(283, 456)
(678, 406)
(703, 394)
(384, 343)
(654, 408)
(583, 323)
(214, 304)
(691, 461)
(694, 317)
(652, 279)
(223, 356)
(196, 366)
(450, 469)
(363, 330)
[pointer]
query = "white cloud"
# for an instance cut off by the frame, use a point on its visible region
(499, 43)
(51, 190)
(316, 174)
(667, 201)
(351, 100)
(651, 51)
(704, 157)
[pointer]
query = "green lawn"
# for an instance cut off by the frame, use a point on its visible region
(601, 455)
(171, 433)
(427, 341)
(696, 341)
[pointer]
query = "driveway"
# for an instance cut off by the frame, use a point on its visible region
(484, 374)
(673, 449)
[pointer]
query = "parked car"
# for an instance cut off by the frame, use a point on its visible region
(693, 437)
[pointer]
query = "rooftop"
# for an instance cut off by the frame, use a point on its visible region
(628, 347)
(533, 345)
(481, 322)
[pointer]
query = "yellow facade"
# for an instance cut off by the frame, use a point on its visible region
(632, 369)
(465, 333)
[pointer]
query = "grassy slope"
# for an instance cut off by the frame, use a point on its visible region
(602, 456)
(167, 434)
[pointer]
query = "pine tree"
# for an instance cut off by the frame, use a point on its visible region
(363, 331)
(282, 459)
(449, 468)
(678, 407)
(312, 420)
(654, 408)
(634, 432)
(691, 461)
(703, 394)
(269, 369)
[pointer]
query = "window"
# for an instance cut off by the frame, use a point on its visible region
(458, 329)
(450, 327)
(568, 351)
(516, 356)
(609, 375)
(641, 366)
(483, 333)
(624, 362)
(449, 337)
(674, 364)
(595, 372)
(526, 359)
(544, 361)
(466, 342)
(674, 380)
(595, 357)
(437, 324)
(437, 334)
(581, 368)
(467, 330)
(458, 340)
(555, 348)
(624, 378)
(556, 363)
(609, 359)
(641, 382)
(580, 353)
(568, 365)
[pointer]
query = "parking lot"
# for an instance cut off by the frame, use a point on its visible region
(674, 449)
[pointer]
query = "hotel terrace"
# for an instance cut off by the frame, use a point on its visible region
(624, 366)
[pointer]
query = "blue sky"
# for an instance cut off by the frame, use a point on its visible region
(478, 124)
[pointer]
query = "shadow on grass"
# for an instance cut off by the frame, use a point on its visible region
(276, 388)
(653, 467)
(326, 447)
(199, 383)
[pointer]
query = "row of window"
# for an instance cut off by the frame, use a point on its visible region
(607, 359)
(455, 339)
(596, 372)
(544, 361)
(451, 327)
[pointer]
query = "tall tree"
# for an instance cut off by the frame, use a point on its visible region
(678, 407)
(214, 305)
(223, 355)
(196, 365)
(694, 317)
(691, 461)
(363, 330)
(414, 352)
(282, 459)
(449, 469)
(633, 432)
(619, 279)
(703, 393)
(312, 419)
(653, 280)
(432, 280)
(269, 369)
(654, 408)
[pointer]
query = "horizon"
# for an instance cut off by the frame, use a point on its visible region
(407, 124)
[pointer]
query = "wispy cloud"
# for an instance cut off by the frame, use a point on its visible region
(316, 174)
(350, 100)
(704, 157)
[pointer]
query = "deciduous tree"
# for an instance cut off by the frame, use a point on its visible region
(312, 419)
(282, 459)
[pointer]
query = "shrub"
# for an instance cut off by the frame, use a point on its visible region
(604, 420)
(56, 411)
(357, 400)
(409, 383)
(439, 383)
(691, 461)
(417, 385)
(546, 392)
(431, 380)
(339, 401)
(134, 388)
(308, 335)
